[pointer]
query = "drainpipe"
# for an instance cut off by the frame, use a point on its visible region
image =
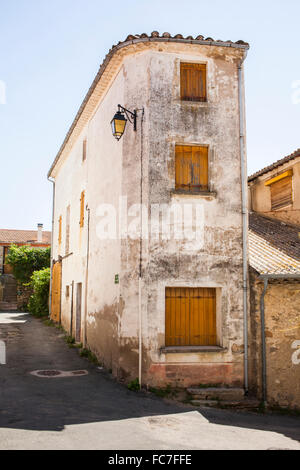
(141, 259)
(244, 217)
(86, 277)
(52, 180)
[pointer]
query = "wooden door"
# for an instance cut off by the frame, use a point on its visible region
(78, 312)
(56, 292)
(191, 316)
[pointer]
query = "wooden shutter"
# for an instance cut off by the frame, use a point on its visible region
(84, 150)
(56, 292)
(193, 82)
(190, 316)
(281, 193)
(191, 168)
(59, 229)
(68, 230)
(81, 222)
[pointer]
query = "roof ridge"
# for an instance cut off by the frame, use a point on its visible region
(274, 165)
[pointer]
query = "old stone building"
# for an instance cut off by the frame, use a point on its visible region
(148, 302)
(274, 250)
(275, 190)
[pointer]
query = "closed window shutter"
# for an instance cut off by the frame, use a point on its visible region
(191, 317)
(59, 230)
(193, 82)
(281, 193)
(191, 168)
(82, 209)
(84, 150)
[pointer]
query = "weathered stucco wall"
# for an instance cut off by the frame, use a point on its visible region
(149, 78)
(282, 319)
(260, 195)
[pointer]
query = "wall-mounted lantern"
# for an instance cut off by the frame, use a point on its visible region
(118, 123)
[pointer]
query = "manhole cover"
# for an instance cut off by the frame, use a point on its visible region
(79, 372)
(49, 373)
(58, 373)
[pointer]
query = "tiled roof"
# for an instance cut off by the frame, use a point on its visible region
(135, 39)
(274, 246)
(266, 259)
(275, 165)
(23, 236)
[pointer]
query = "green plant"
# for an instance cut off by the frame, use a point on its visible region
(163, 392)
(38, 302)
(89, 355)
(134, 385)
(25, 260)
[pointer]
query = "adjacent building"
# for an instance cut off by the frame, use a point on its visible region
(275, 190)
(147, 253)
(8, 288)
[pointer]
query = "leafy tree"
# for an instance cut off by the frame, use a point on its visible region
(38, 302)
(27, 259)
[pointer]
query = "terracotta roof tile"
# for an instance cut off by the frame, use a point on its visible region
(23, 236)
(281, 235)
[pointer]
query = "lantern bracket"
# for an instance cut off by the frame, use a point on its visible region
(131, 116)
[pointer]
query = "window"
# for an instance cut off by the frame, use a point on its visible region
(191, 316)
(59, 229)
(68, 230)
(281, 190)
(191, 168)
(67, 291)
(84, 145)
(193, 82)
(81, 221)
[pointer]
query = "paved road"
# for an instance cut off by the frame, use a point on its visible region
(95, 412)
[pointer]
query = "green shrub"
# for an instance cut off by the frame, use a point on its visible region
(134, 386)
(25, 260)
(38, 302)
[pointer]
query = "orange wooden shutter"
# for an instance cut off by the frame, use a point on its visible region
(193, 82)
(191, 316)
(59, 229)
(191, 168)
(82, 209)
(84, 150)
(281, 193)
(56, 292)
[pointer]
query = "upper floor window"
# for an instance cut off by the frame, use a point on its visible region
(191, 168)
(84, 146)
(193, 82)
(81, 220)
(59, 229)
(281, 190)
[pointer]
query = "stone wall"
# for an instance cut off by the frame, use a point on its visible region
(282, 317)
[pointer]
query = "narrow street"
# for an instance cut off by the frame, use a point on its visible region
(95, 412)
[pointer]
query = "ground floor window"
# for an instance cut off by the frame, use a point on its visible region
(191, 316)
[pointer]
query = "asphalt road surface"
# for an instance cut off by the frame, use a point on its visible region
(93, 411)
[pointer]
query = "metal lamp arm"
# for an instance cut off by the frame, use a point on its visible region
(131, 116)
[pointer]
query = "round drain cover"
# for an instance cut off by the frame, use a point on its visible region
(49, 373)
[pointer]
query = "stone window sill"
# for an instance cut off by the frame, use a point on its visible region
(192, 349)
(204, 194)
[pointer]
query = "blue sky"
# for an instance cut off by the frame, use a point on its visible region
(51, 50)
